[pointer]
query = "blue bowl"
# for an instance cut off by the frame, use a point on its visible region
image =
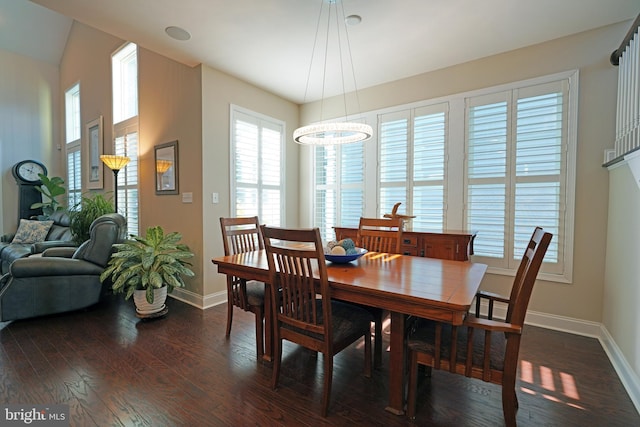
(343, 259)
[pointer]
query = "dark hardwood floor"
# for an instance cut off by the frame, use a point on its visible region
(114, 369)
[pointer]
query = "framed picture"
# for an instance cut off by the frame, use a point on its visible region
(166, 162)
(94, 149)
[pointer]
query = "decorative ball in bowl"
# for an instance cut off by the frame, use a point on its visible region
(343, 259)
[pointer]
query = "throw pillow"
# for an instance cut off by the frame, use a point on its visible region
(32, 231)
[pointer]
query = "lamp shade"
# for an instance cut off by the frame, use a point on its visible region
(163, 165)
(115, 163)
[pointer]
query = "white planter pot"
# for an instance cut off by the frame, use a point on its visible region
(143, 307)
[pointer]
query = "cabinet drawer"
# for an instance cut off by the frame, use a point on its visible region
(409, 241)
(410, 250)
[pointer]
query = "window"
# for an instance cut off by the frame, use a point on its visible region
(411, 164)
(516, 171)
(257, 166)
(339, 190)
(73, 145)
(124, 64)
(497, 161)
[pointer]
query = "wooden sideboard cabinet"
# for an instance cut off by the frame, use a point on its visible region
(451, 244)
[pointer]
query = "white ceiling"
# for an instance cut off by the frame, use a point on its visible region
(269, 42)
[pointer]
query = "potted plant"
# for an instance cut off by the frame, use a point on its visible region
(85, 212)
(148, 267)
(50, 189)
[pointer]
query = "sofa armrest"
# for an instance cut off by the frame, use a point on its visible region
(48, 266)
(40, 247)
(7, 237)
(59, 252)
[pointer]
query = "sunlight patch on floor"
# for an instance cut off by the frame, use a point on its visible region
(545, 378)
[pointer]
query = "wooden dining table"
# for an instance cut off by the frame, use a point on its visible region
(405, 285)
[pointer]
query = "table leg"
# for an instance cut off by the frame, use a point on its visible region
(268, 325)
(396, 365)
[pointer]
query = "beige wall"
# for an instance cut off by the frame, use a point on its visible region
(29, 125)
(169, 110)
(87, 60)
(589, 52)
(219, 90)
(621, 315)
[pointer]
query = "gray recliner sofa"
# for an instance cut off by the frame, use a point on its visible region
(63, 279)
(59, 236)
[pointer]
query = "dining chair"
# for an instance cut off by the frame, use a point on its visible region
(481, 348)
(241, 235)
(303, 310)
(379, 235)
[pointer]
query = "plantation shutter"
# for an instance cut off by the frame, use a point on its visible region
(392, 160)
(126, 144)
(428, 186)
(74, 176)
(257, 175)
(412, 164)
(487, 173)
(516, 171)
(339, 179)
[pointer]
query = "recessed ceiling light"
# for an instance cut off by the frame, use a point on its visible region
(353, 19)
(177, 33)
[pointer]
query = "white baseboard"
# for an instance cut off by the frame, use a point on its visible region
(197, 300)
(627, 375)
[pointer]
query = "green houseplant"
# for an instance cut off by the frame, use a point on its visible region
(50, 189)
(149, 263)
(85, 212)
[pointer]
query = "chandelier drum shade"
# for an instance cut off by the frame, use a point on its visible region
(332, 133)
(335, 132)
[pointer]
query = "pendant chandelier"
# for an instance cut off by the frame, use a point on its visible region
(334, 132)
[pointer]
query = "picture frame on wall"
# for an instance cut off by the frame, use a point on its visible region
(94, 149)
(166, 168)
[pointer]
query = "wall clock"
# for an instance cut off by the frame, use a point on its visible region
(26, 174)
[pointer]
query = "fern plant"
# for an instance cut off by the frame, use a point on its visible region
(85, 212)
(147, 263)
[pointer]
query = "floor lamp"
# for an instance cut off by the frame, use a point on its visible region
(115, 163)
